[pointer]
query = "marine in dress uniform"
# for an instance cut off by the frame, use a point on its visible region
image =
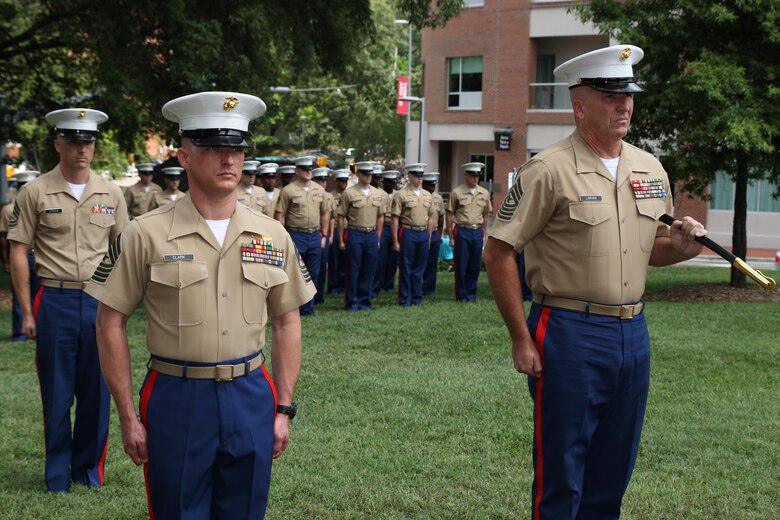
(361, 218)
(376, 174)
(467, 219)
(388, 257)
(246, 192)
(286, 174)
(71, 215)
(172, 179)
(412, 223)
(139, 195)
(266, 177)
(585, 211)
(304, 210)
(19, 180)
(211, 273)
(432, 264)
(336, 255)
(320, 176)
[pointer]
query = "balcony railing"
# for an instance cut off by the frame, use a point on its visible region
(549, 96)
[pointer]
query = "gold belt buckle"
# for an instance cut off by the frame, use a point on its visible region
(224, 372)
(627, 312)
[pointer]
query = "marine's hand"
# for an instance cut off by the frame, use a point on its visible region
(683, 235)
(281, 434)
(29, 327)
(134, 440)
(526, 357)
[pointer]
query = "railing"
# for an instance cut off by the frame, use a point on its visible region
(549, 96)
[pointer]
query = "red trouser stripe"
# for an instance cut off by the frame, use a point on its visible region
(37, 302)
(143, 406)
(271, 384)
(541, 331)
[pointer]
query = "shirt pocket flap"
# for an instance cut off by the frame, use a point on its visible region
(590, 213)
(652, 208)
(263, 275)
(178, 274)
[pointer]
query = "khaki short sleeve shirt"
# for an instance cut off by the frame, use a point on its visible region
(413, 210)
(203, 302)
(362, 210)
(138, 199)
(5, 217)
(256, 199)
(468, 209)
(270, 207)
(302, 208)
(585, 235)
(46, 213)
(163, 198)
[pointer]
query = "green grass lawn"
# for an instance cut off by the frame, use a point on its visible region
(418, 413)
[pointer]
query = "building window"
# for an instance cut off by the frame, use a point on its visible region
(465, 83)
(473, 3)
(759, 195)
(489, 162)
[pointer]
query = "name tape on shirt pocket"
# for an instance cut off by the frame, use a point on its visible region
(181, 257)
(52, 210)
(590, 198)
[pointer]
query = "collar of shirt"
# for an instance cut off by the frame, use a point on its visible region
(588, 161)
(187, 220)
(58, 184)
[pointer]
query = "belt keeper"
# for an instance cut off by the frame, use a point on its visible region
(587, 309)
(246, 368)
(184, 371)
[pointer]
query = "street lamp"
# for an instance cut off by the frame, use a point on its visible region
(415, 99)
(303, 133)
(409, 80)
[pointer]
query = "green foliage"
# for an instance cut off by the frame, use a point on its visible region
(108, 156)
(709, 73)
(128, 57)
(711, 101)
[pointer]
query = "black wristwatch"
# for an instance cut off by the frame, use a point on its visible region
(287, 410)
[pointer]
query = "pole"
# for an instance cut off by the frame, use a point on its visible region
(422, 121)
(409, 91)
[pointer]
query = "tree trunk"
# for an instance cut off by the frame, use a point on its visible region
(739, 229)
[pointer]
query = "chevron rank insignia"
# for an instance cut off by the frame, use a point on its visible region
(512, 200)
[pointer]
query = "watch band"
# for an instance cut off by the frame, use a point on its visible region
(290, 411)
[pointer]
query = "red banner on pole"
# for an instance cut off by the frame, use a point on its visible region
(403, 90)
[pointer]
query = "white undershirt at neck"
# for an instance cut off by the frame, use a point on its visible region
(77, 189)
(612, 165)
(219, 228)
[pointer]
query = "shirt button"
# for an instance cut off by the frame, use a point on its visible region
(625, 284)
(224, 294)
(178, 284)
(224, 332)
(625, 251)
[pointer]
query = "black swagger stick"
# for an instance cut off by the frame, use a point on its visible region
(764, 281)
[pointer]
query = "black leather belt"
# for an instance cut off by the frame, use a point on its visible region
(302, 230)
(619, 311)
(469, 226)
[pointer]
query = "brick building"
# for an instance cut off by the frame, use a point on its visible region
(490, 96)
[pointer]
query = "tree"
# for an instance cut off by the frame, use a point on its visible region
(127, 57)
(711, 100)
